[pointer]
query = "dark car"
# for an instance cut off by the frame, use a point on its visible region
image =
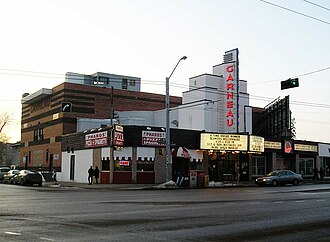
(8, 177)
(279, 177)
(3, 171)
(28, 177)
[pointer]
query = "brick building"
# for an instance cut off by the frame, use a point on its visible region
(44, 122)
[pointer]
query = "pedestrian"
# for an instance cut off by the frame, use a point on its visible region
(54, 175)
(321, 173)
(90, 175)
(96, 174)
(315, 174)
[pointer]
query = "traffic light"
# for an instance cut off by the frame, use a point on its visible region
(290, 83)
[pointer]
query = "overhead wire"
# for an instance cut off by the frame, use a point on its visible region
(184, 86)
(318, 5)
(296, 12)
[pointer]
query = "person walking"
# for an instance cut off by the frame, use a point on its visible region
(54, 176)
(90, 175)
(321, 173)
(96, 174)
(315, 174)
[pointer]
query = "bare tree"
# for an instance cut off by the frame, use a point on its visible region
(5, 120)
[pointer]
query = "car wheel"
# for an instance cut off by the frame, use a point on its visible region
(274, 183)
(295, 182)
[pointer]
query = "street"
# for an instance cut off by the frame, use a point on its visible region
(288, 213)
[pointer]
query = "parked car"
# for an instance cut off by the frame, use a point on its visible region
(3, 171)
(280, 177)
(8, 177)
(25, 177)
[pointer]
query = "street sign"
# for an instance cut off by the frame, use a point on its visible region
(290, 83)
(66, 107)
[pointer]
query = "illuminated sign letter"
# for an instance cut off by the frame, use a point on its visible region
(230, 122)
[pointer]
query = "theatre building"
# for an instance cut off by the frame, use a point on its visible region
(104, 120)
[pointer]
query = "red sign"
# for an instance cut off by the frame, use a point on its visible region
(153, 138)
(96, 139)
(230, 95)
(118, 139)
(124, 163)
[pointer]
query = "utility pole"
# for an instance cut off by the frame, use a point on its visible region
(168, 164)
(111, 165)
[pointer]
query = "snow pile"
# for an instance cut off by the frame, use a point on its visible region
(216, 184)
(169, 184)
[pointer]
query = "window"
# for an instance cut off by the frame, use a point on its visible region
(258, 165)
(122, 164)
(132, 82)
(195, 165)
(38, 134)
(124, 84)
(145, 164)
(306, 166)
(35, 136)
(41, 134)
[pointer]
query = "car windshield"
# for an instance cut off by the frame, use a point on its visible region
(273, 173)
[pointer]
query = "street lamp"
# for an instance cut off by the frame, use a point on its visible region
(168, 165)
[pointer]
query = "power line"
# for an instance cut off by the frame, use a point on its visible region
(317, 5)
(296, 12)
(300, 75)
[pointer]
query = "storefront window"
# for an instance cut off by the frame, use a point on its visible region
(195, 165)
(122, 164)
(145, 165)
(105, 164)
(258, 165)
(306, 166)
(326, 165)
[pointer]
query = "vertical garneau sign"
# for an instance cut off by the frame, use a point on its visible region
(230, 98)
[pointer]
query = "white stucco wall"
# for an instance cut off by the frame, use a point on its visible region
(83, 160)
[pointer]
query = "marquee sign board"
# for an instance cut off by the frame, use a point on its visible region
(233, 142)
(256, 144)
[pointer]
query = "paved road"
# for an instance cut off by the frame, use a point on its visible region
(286, 213)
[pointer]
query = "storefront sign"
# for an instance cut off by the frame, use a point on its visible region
(257, 144)
(153, 138)
(96, 139)
(119, 128)
(224, 142)
(231, 85)
(273, 145)
(288, 146)
(124, 163)
(118, 139)
(303, 147)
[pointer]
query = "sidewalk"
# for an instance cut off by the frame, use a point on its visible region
(169, 185)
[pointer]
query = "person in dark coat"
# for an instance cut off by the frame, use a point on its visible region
(315, 174)
(90, 175)
(96, 174)
(321, 173)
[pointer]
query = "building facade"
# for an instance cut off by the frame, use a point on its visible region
(44, 121)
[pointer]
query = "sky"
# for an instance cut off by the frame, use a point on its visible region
(41, 40)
